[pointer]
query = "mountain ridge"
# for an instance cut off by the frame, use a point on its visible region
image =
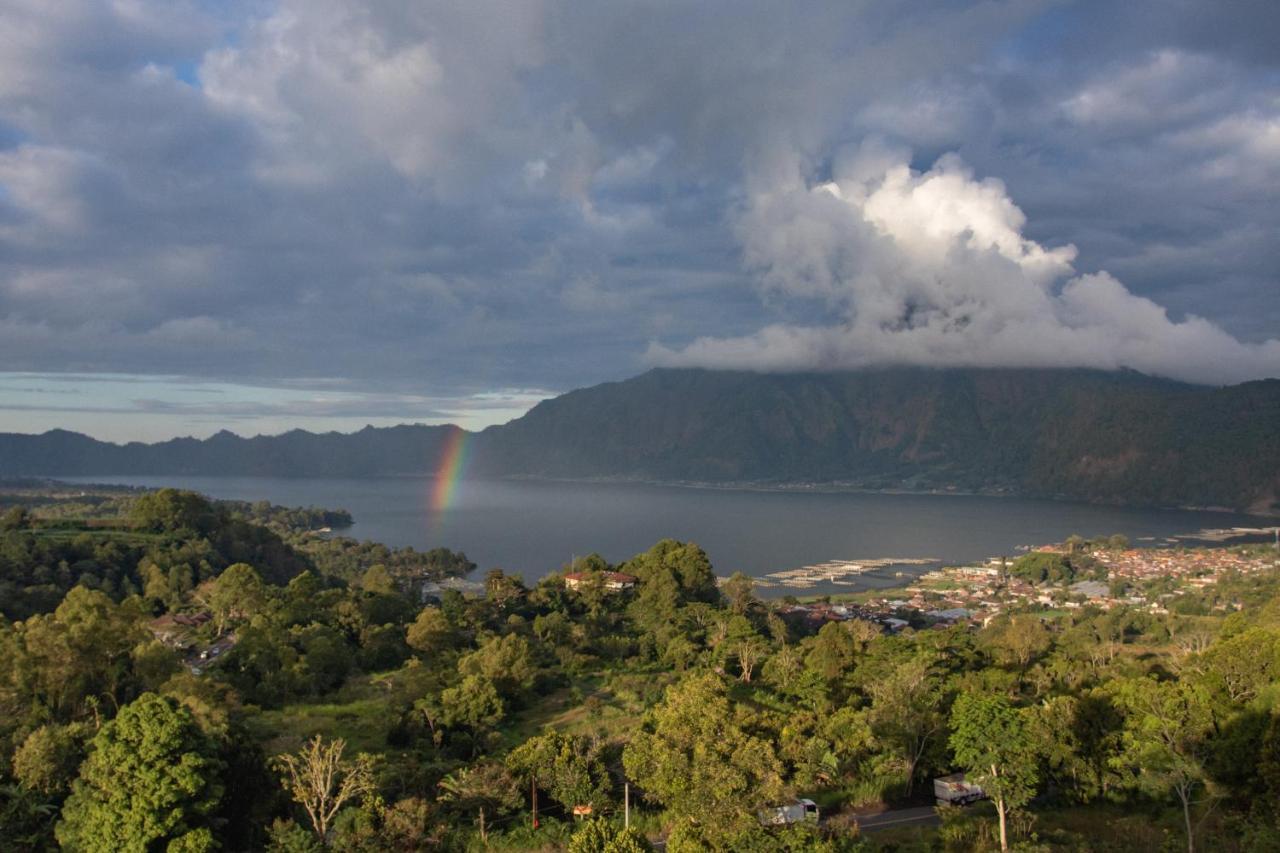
(1113, 437)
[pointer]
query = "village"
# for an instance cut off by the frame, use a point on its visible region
(1148, 579)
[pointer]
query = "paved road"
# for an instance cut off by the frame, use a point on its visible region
(919, 815)
(916, 816)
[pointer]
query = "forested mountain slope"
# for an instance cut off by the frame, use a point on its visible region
(1100, 436)
(1088, 434)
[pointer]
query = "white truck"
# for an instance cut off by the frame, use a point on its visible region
(953, 790)
(801, 811)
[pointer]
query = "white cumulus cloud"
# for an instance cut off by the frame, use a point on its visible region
(934, 268)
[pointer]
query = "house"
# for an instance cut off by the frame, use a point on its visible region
(613, 581)
(174, 629)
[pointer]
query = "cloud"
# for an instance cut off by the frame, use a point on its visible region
(933, 268)
(444, 198)
(331, 85)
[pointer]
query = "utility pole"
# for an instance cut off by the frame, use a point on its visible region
(626, 805)
(533, 790)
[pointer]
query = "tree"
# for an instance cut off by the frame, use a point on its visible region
(410, 825)
(1244, 663)
(15, 518)
(1019, 640)
(154, 663)
(1078, 739)
(671, 573)
(48, 758)
(906, 711)
(474, 703)
(600, 836)
(506, 661)
(237, 594)
(81, 652)
(695, 757)
(568, 768)
(285, 836)
(152, 777)
(328, 658)
(377, 579)
(503, 590)
(749, 653)
(431, 632)
(1166, 738)
(991, 741)
(1044, 567)
(485, 788)
(171, 510)
(835, 649)
(737, 591)
(321, 782)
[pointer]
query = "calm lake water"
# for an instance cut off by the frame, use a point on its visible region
(535, 527)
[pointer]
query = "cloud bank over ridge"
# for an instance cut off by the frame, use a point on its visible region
(933, 269)
(447, 199)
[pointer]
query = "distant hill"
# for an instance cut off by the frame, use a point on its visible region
(371, 451)
(1117, 437)
(1103, 436)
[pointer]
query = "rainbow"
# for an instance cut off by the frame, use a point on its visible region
(453, 459)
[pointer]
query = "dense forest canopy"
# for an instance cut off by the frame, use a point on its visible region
(185, 675)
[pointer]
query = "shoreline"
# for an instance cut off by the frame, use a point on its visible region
(796, 487)
(840, 488)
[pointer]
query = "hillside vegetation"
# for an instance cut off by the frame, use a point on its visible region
(286, 706)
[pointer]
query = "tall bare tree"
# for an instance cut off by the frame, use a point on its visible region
(322, 783)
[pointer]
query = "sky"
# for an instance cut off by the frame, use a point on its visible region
(262, 215)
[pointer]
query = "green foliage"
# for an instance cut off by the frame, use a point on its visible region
(907, 713)
(1167, 738)
(237, 595)
(1054, 568)
(377, 579)
(712, 706)
(79, 654)
(16, 518)
(287, 837)
(1016, 641)
(700, 762)
(172, 510)
(348, 559)
(483, 789)
(568, 768)
(601, 836)
(1245, 663)
(151, 778)
(671, 573)
(474, 703)
(992, 740)
(431, 632)
(49, 757)
(506, 662)
(287, 520)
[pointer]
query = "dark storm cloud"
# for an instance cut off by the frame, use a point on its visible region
(452, 197)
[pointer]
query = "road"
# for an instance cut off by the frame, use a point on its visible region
(918, 815)
(915, 816)
(197, 662)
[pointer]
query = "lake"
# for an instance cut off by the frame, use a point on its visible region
(532, 527)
